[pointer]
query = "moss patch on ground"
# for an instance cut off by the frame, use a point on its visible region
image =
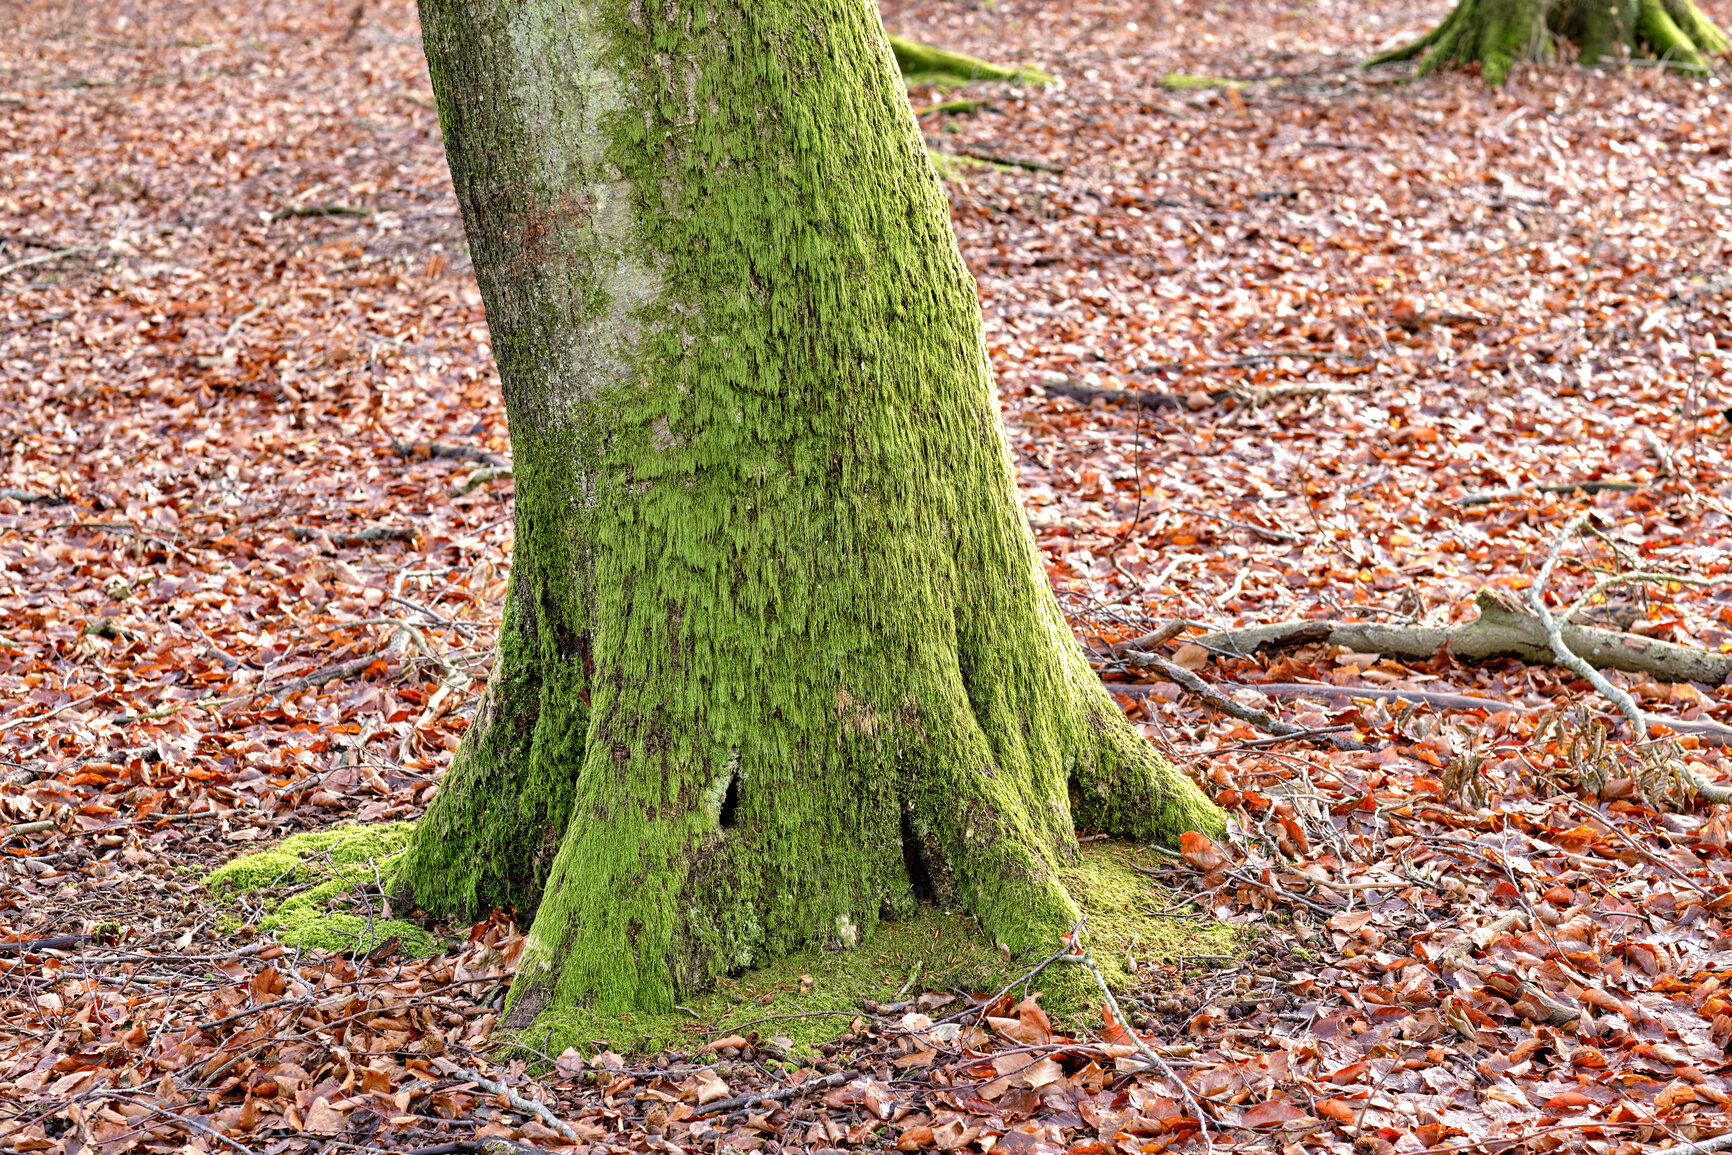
(314, 870)
(936, 950)
(1184, 81)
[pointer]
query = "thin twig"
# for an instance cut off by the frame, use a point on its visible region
(1263, 721)
(1087, 959)
(45, 258)
(745, 1102)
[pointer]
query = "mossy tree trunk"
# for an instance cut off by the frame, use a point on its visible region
(1497, 33)
(778, 652)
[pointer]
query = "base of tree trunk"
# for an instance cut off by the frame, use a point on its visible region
(1495, 34)
(779, 656)
(934, 949)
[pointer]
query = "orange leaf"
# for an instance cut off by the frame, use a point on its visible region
(1200, 851)
(1272, 1114)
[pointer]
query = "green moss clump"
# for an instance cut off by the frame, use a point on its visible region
(315, 868)
(924, 64)
(933, 950)
(1185, 81)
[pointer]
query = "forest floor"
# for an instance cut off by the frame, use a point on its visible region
(252, 554)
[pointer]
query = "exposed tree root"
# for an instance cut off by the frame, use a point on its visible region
(924, 64)
(1496, 33)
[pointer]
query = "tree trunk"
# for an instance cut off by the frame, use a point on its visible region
(778, 654)
(1497, 33)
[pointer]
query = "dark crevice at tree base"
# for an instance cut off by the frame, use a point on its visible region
(914, 858)
(1495, 34)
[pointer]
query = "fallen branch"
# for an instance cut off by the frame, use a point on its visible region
(1504, 629)
(59, 942)
(1491, 496)
(1143, 398)
(322, 211)
(426, 449)
(481, 477)
(362, 537)
(529, 1106)
(28, 498)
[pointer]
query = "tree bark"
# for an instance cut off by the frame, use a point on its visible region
(1496, 33)
(778, 653)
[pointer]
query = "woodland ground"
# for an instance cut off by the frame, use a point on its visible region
(241, 597)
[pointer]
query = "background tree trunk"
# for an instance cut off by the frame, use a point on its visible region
(1497, 33)
(778, 654)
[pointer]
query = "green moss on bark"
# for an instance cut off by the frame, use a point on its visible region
(1495, 34)
(780, 654)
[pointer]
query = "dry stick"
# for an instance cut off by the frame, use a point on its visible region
(1087, 959)
(485, 1145)
(45, 258)
(59, 942)
(1717, 1143)
(1261, 531)
(191, 1123)
(449, 452)
(64, 706)
(1147, 641)
(1708, 731)
(41, 826)
(520, 1103)
(1268, 724)
(1626, 705)
(361, 537)
(481, 477)
(1490, 496)
(1062, 952)
(745, 1102)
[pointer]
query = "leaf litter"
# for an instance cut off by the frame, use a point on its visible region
(1295, 342)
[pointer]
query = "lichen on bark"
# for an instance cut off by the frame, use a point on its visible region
(1495, 34)
(779, 655)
